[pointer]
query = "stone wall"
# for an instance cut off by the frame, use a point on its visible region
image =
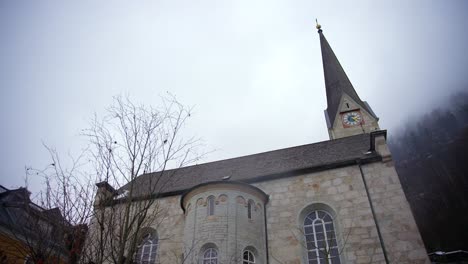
(342, 190)
(229, 229)
(170, 230)
(167, 219)
(339, 191)
(400, 233)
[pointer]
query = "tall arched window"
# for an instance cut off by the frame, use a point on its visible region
(147, 249)
(248, 257)
(320, 237)
(210, 256)
(210, 204)
(250, 206)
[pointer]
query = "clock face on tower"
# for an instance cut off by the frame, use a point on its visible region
(352, 118)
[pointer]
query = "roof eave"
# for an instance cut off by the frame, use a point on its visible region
(372, 157)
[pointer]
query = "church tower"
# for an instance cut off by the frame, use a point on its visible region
(346, 113)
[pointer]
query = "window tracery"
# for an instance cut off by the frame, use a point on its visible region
(147, 250)
(320, 238)
(248, 257)
(210, 256)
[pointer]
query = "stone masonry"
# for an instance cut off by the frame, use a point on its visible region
(340, 190)
(229, 230)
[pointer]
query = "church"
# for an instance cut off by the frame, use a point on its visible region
(336, 201)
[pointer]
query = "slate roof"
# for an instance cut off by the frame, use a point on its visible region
(258, 167)
(336, 82)
(26, 221)
(18, 205)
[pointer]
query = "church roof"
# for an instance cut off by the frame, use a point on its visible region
(259, 167)
(337, 82)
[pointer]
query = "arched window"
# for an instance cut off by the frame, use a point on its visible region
(250, 206)
(210, 256)
(320, 238)
(210, 204)
(248, 257)
(147, 249)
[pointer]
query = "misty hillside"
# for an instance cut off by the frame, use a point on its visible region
(432, 161)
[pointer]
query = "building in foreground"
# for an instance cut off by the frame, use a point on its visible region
(28, 232)
(337, 201)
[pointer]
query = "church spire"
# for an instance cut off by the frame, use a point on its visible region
(338, 86)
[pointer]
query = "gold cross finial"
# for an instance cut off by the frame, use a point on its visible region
(318, 26)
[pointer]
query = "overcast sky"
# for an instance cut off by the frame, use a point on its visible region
(252, 69)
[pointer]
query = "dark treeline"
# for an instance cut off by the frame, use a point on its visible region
(432, 161)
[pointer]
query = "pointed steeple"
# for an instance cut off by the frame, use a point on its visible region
(336, 82)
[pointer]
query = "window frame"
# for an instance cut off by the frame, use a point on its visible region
(210, 258)
(143, 246)
(327, 228)
(248, 260)
(250, 207)
(210, 204)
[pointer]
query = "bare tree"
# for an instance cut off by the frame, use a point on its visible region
(51, 226)
(129, 141)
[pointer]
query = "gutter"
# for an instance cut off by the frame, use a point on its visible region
(266, 231)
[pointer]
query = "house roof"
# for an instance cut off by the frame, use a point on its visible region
(257, 167)
(29, 223)
(15, 205)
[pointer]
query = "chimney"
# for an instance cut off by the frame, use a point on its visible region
(105, 193)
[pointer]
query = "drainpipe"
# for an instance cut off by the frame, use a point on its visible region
(266, 233)
(373, 212)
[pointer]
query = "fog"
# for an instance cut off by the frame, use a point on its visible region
(251, 69)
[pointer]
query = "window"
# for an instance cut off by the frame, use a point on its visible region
(146, 251)
(210, 256)
(320, 238)
(248, 257)
(250, 206)
(211, 204)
